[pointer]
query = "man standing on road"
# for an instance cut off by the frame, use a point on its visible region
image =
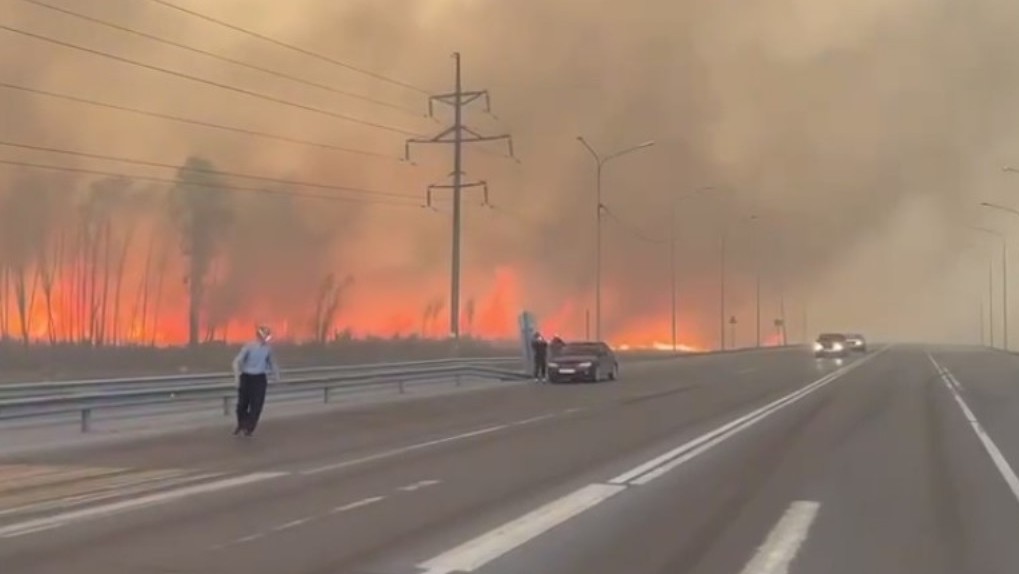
(540, 348)
(251, 369)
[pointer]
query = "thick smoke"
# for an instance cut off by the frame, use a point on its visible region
(862, 135)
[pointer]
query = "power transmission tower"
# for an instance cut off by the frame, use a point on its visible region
(457, 135)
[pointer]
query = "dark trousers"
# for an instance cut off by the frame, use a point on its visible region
(250, 399)
(540, 366)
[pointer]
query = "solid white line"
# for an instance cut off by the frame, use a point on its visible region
(992, 449)
(673, 458)
(358, 504)
(403, 450)
(57, 520)
(784, 541)
(475, 553)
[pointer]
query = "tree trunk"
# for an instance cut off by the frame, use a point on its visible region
(21, 293)
(160, 280)
(104, 307)
(121, 268)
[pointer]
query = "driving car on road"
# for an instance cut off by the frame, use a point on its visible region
(856, 342)
(831, 345)
(583, 361)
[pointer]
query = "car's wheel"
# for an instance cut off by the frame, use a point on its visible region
(614, 373)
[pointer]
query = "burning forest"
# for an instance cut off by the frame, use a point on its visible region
(168, 176)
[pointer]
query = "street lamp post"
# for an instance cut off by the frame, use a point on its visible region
(721, 291)
(600, 163)
(757, 279)
(672, 272)
(1004, 268)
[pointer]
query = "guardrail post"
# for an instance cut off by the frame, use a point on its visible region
(226, 406)
(458, 379)
(86, 418)
(325, 394)
(400, 386)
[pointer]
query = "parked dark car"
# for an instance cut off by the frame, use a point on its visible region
(583, 361)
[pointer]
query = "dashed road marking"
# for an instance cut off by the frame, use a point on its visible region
(119, 507)
(419, 485)
(292, 524)
(476, 553)
(999, 460)
(436, 442)
(358, 504)
(784, 541)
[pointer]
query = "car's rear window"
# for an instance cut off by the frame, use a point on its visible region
(581, 349)
(831, 337)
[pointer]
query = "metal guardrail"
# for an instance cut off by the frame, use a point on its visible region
(91, 396)
(53, 388)
(83, 398)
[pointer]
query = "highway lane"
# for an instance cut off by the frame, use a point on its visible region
(868, 466)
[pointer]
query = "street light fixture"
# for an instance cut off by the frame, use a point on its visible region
(600, 162)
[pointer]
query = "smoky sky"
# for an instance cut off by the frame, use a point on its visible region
(862, 135)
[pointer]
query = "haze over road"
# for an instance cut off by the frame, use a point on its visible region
(759, 462)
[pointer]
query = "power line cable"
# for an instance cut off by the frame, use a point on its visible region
(221, 58)
(121, 159)
(310, 195)
(517, 217)
(633, 231)
(201, 123)
(250, 93)
(292, 47)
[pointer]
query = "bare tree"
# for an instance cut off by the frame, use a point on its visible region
(202, 214)
(327, 305)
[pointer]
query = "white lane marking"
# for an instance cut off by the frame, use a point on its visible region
(784, 541)
(403, 450)
(292, 524)
(419, 485)
(300, 521)
(58, 520)
(746, 371)
(436, 442)
(648, 471)
(535, 419)
(357, 504)
(475, 553)
(992, 449)
(426, 444)
(106, 492)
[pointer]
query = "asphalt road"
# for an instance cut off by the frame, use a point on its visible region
(759, 463)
